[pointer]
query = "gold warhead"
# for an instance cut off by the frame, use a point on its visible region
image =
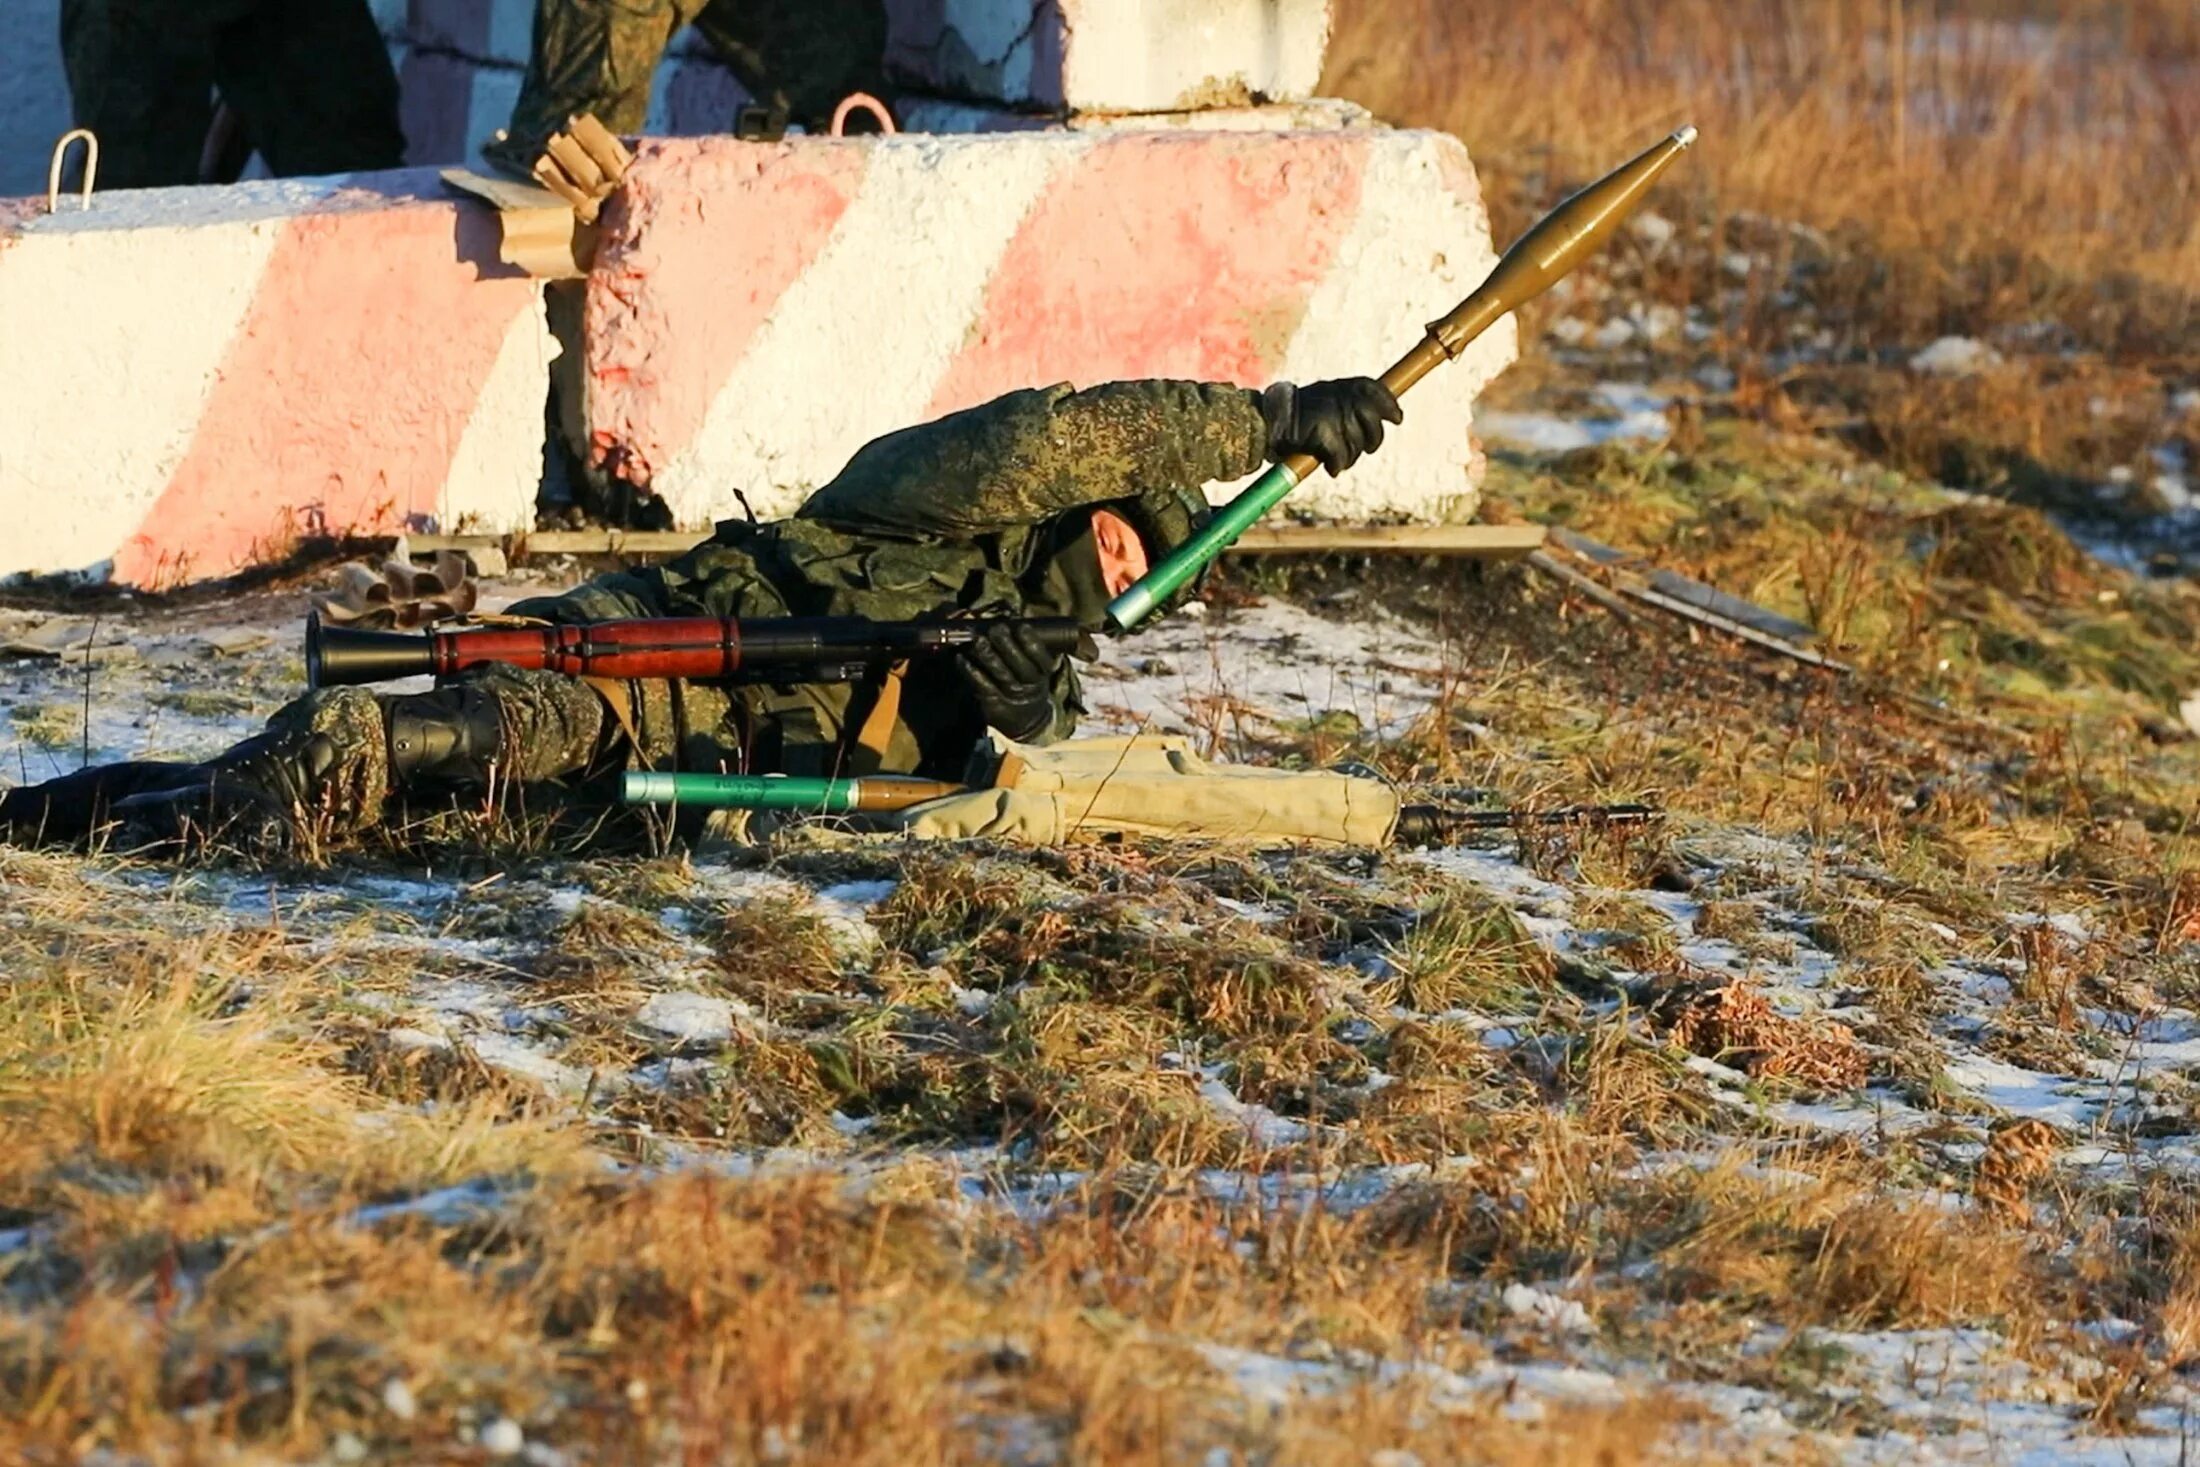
(1564, 238)
(1539, 259)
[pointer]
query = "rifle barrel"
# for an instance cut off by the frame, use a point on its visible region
(1427, 824)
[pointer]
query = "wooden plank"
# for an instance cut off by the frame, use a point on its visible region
(1692, 600)
(1496, 542)
(1719, 623)
(1594, 551)
(561, 542)
(1733, 608)
(608, 542)
(1566, 575)
(1487, 542)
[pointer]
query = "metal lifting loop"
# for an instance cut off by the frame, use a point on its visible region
(60, 154)
(865, 102)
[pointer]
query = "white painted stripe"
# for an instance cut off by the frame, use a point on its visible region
(266, 200)
(1414, 252)
(858, 345)
(497, 468)
(109, 367)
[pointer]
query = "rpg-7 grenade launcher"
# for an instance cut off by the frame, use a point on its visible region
(781, 649)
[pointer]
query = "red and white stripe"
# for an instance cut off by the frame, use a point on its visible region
(199, 376)
(758, 313)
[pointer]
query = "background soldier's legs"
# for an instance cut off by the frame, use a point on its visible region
(595, 56)
(806, 54)
(314, 86)
(141, 76)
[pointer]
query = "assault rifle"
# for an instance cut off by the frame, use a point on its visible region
(778, 649)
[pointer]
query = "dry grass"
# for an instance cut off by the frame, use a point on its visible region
(195, 1122)
(1998, 161)
(1078, 1155)
(191, 1150)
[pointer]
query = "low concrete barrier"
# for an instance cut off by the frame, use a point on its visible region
(196, 377)
(1110, 55)
(199, 377)
(758, 312)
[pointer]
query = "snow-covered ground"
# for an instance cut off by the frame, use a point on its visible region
(184, 684)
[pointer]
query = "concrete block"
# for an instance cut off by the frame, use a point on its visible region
(453, 103)
(1110, 55)
(758, 312)
(198, 376)
(460, 63)
(1075, 55)
(920, 113)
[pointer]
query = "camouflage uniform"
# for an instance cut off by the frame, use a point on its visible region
(309, 79)
(985, 512)
(974, 514)
(799, 57)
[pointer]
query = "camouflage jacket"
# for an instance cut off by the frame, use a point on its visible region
(959, 516)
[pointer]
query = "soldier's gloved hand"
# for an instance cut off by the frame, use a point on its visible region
(1336, 422)
(1011, 674)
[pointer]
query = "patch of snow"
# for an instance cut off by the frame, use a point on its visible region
(446, 1207)
(1552, 1311)
(1955, 356)
(854, 896)
(687, 1018)
(1263, 666)
(1262, 1126)
(515, 1056)
(398, 1399)
(2057, 1099)
(1546, 433)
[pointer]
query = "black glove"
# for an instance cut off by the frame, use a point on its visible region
(1336, 421)
(1012, 676)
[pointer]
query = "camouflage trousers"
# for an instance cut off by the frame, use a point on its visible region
(309, 80)
(600, 56)
(324, 763)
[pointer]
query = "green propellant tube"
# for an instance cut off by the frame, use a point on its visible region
(1566, 236)
(782, 792)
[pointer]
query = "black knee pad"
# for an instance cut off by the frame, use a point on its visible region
(450, 736)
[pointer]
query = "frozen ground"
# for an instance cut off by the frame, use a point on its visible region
(182, 684)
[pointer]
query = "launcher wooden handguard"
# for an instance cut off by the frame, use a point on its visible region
(656, 647)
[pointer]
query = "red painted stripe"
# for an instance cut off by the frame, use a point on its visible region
(1166, 257)
(343, 397)
(705, 239)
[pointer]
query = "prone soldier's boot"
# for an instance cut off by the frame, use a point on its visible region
(320, 767)
(321, 758)
(328, 763)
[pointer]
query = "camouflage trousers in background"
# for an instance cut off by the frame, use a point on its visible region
(600, 57)
(309, 80)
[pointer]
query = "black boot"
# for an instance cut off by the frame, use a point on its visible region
(67, 810)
